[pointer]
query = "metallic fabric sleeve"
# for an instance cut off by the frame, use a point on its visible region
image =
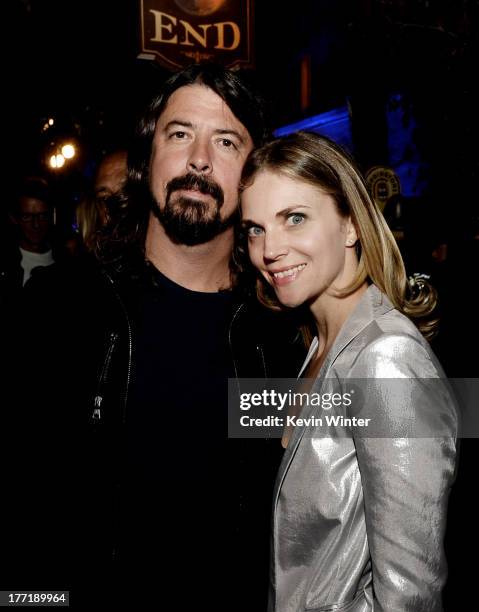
(406, 482)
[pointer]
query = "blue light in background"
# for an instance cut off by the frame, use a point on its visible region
(404, 156)
(335, 124)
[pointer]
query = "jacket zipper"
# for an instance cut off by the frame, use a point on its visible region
(114, 550)
(235, 316)
(97, 402)
(130, 359)
(259, 348)
(130, 345)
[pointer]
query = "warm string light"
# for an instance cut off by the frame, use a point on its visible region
(57, 161)
(64, 153)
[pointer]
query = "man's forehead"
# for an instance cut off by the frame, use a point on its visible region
(198, 104)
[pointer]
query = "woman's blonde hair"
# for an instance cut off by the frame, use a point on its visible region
(317, 160)
(89, 221)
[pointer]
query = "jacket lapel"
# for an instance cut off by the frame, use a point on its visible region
(372, 305)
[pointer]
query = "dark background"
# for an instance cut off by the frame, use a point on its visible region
(75, 61)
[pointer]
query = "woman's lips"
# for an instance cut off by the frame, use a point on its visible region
(286, 275)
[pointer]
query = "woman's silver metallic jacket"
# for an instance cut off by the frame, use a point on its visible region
(359, 521)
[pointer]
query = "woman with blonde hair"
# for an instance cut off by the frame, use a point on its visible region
(359, 520)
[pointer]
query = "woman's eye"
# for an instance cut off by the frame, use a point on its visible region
(296, 218)
(254, 230)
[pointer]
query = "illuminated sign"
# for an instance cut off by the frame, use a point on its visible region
(383, 183)
(177, 33)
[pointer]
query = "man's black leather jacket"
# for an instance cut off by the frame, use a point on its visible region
(73, 363)
(263, 344)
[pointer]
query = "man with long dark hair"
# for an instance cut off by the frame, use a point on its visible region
(190, 509)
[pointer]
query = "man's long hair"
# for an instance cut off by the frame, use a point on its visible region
(126, 232)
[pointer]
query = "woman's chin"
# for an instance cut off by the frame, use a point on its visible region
(288, 301)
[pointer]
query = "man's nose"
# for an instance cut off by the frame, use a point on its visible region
(275, 245)
(199, 160)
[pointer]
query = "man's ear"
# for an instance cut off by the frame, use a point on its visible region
(13, 219)
(351, 234)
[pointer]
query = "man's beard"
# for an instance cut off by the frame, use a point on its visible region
(189, 221)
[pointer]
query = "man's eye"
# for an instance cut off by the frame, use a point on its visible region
(227, 143)
(296, 218)
(179, 135)
(254, 230)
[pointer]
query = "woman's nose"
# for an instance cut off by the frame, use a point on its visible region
(275, 246)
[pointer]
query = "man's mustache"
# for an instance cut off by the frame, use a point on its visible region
(196, 181)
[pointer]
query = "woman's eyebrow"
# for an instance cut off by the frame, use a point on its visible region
(282, 213)
(286, 211)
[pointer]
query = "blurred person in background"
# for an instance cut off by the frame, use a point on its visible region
(93, 212)
(29, 246)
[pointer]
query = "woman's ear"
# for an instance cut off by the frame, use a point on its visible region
(351, 234)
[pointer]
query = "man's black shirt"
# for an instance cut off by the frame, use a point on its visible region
(188, 494)
(176, 472)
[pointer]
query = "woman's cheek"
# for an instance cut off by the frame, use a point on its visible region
(253, 255)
